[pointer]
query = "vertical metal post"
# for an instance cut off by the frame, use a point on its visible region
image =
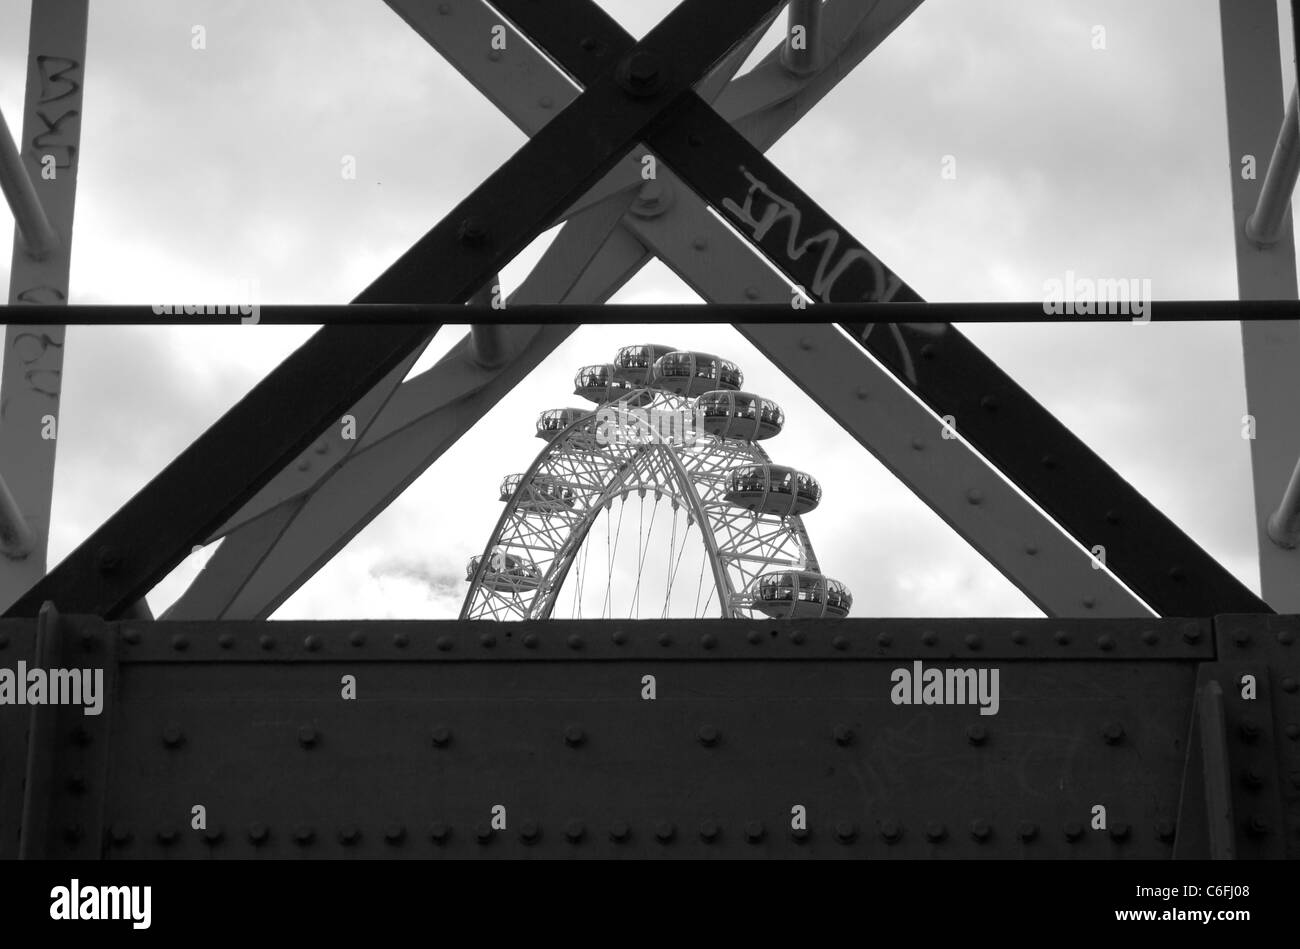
(1271, 350)
(32, 358)
(1218, 778)
(34, 228)
(800, 54)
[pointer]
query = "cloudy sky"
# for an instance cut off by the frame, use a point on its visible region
(201, 169)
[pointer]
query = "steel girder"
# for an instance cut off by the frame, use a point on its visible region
(745, 723)
(487, 229)
(1253, 92)
(31, 365)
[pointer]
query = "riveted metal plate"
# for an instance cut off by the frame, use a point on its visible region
(552, 640)
(17, 642)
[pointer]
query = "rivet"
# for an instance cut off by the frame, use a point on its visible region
(754, 637)
(1252, 779)
(929, 637)
(401, 640)
(1289, 684)
(1150, 637)
(587, 43)
(172, 736)
(619, 636)
(918, 444)
(439, 832)
(444, 8)
(166, 836)
(357, 638)
(973, 641)
(975, 497)
(884, 640)
(1177, 574)
(928, 351)
(108, 560)
(862, 393)
(1292, 731)
(349, 834)
(494, 55)
(619, 831)
(471, 231)
(530, 832)
(546, 102)
(312, 642)
(708, 640)
(322, 447)
(840, 642)
(664, 639)
(699, 243)
(1073, 830)
(226, 641)
(1119, 831)
(1259, 826)
(1106, 642)
(1165, 829)
(574, 831)
(980, 830)
(4, 640)
(1019, 637)
(1112, 517)
(1031, 550)
(303, 835)
(1026, 830)
(257, 833)
(394, 834)
(799, 834)
(307, 736)
(1286, 637)
(1049, 461)
(304, 464)
(891, 831)
(1113, 733)
(708, 829)
(574, 736)
(989, 403)
(574, 641)
(214, 835)
(977, 734)
(798, 637)
(805, 342)
(180, 642)
(444, 643)
(530, 640)
(665, 831)
(1191, 634)
(483, 832)
(708, 735)
(846, 831)
(131, 637)
(754, 831)
(1062, 637)
(843, 735)
(751, 293)
(266, 642)
(1240, 638)
(935, 832)
(441, 736)
(120, 835)
(1088, 602)
(1249, 730)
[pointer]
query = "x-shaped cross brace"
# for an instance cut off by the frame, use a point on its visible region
(937, 363)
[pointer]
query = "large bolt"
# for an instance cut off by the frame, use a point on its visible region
(1113, 733)
(472, 232)
(708, 735)
(641, 73)
(574, 736)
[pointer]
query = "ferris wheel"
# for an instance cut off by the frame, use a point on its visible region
(672, 432)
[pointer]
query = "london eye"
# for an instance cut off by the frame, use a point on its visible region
(659, 501)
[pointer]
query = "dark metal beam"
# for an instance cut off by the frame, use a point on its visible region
(916, 312)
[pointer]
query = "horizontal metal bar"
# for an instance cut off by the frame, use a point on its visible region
(1165, 311)
(38, 234)
(1265, 225)
(15, 536)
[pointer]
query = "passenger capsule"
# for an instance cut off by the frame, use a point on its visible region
(635, 364)
(740, 415)
(505, 573)
(543, 493)
(796, 594)
(601, 384)
(691, 374)
(773, 489)
(553, 421)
